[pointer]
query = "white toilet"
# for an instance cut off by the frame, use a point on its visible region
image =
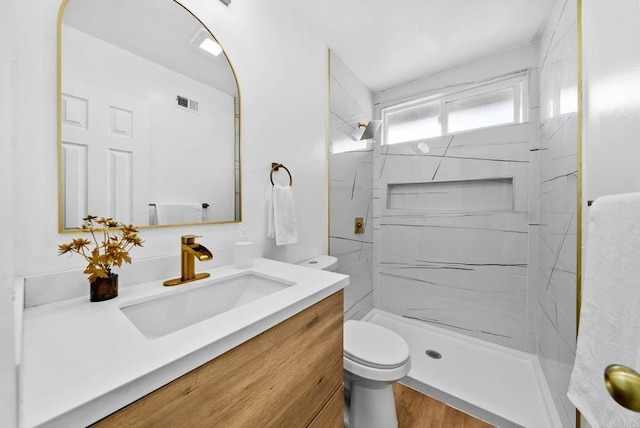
(374, 357)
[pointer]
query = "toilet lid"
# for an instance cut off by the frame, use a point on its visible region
(374, 346)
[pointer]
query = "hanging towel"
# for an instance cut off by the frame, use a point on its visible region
(153, 215)
(609, 330)
(282, 216)
(179, 213)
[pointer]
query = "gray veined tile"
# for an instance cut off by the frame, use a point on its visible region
(454, 227)
(554, 21)
(495, 319)
(358, 309)
(435, 173)
(498, 221)
(383, 159)
(484, 280)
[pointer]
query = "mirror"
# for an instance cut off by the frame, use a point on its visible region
(149, 116)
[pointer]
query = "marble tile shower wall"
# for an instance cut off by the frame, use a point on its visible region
(351, 193)
(465, 267)
(351, 189)
(461, 268)
(556, 228)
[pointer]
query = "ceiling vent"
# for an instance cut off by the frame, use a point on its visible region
(186, 103)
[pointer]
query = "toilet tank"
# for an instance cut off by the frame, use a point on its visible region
(322, 262)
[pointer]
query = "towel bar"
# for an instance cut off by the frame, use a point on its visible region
(276, 166)
(204, 205)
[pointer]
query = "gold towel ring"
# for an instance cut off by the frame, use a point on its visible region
(275, 167)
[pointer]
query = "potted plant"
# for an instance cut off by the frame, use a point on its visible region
(102, 256)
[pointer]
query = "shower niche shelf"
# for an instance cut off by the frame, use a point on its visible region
(476, 195)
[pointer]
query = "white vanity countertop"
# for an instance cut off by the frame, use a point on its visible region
(82, 361)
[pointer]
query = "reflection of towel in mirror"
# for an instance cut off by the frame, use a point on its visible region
(179, 213)
(282, 216)
(153, 216)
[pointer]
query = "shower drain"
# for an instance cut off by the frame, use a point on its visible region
(433, 354)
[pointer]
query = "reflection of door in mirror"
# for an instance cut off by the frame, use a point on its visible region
(103, 154)
(148, 119)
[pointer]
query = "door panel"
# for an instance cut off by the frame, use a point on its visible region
(105, 143)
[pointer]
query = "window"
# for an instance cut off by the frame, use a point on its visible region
(495, 103)
(480, 111)
(413, 123)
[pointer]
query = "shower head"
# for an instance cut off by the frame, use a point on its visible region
(370, 129)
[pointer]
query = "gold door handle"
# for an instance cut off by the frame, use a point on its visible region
(623, 385)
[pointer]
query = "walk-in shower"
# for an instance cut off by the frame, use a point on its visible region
(470, 248)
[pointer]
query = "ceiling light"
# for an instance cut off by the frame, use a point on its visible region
(204, 40)
(210, 46)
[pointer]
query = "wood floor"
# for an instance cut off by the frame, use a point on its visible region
(416, 410)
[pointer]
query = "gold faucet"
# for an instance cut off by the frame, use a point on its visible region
(190, 251)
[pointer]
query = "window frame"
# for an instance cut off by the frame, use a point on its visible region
(518, 82)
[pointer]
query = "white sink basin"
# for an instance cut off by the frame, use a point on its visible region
(197, 301)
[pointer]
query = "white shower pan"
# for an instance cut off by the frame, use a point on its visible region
(494, 383)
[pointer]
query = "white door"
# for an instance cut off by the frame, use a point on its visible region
(105, 155)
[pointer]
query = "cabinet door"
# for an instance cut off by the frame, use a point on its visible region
(332, 414)
(280, 378)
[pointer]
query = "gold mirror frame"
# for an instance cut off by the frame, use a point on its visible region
(237, 132)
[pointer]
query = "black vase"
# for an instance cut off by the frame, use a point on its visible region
(104, 288)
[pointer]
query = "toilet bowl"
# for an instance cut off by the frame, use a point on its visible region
(374, 357)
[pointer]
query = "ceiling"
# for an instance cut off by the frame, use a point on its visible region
(388, 42)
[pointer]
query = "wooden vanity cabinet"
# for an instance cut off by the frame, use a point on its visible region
(289, 376)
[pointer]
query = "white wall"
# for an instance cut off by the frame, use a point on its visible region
(351, 177)
(191, 154)
(611, 104)
(282, 72)
(8, 385)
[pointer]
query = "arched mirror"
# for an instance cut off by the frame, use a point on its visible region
(149, 116)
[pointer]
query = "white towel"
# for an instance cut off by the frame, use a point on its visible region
(609, 330)
(179, 213)
(153, 215)
(282, 216)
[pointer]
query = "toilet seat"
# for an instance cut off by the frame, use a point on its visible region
(374, 352)
(374, 346)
